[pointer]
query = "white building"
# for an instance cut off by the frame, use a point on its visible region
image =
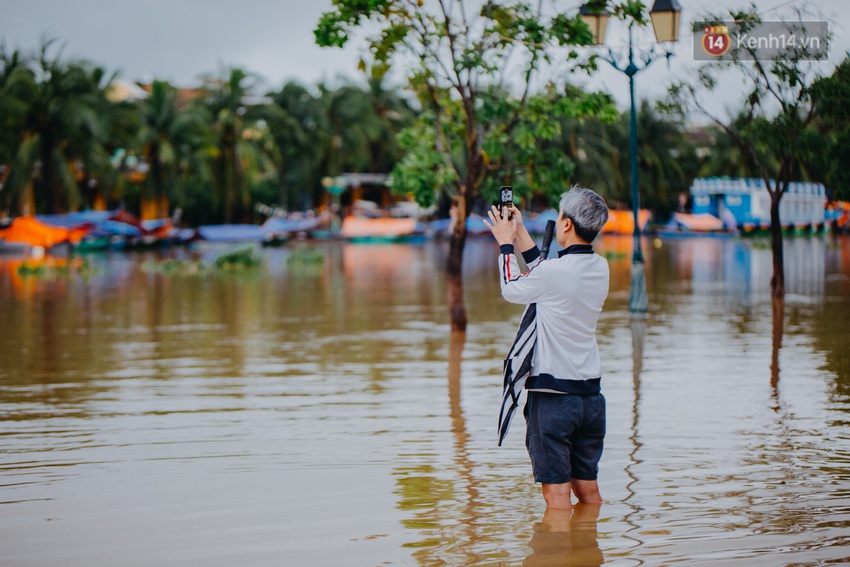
(802, 205)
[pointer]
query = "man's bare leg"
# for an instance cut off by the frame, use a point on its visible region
(557, 496)
(587, 491)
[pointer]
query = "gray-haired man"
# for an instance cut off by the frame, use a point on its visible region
(565, 410)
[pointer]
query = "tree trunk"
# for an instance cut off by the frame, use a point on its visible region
(52, 197)
(157, 176)
(283, 196)
(457, 309)
(778, 331)
(229, 189)
(777, 282)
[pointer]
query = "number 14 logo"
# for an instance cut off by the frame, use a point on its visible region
(715, 40)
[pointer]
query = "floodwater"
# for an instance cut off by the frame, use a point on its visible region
(323, 414)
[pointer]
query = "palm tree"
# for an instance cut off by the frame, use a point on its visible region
(238, 130)
(63, 122)
(358, 128)
(347, 127)
(723, 155)
(168, 135)
(391, 113)
(12, 110)
(595, 147)
(295, 120)
(666, 159)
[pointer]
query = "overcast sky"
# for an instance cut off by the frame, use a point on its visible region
(180, 40)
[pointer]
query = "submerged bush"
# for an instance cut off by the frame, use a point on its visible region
(305, 255)
(246, 259)
(239, 260)
(54, 267)
(305, 260)
(174, 267)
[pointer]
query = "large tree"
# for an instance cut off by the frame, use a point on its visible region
(830, 158)
(62, 123)
(240, 134)
(776, 136)
(12, 110)
(667, 160)
(473, 65)
(294, 122)
(168, 135)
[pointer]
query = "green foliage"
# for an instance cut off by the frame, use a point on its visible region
(422, 169)
(829, 147)
(777, 136)
(172, 139)
(241, 140)
(174, 267)
(305, 260)
(241, 260)
(305, 254)
(773, 131)
(475, 134)
(53, 268)
(58, 121)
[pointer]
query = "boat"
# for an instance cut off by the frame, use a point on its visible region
(700, 224)
(27, 233)
(278, 230)
(444, 227)
(623, 222)
(105, 232)
(231, 233)
(378, 230)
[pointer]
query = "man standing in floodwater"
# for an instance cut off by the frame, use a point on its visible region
(565, 409)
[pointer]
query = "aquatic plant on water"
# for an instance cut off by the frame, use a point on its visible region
(239, 260)
(305, 255)
(54, 267)
(174, 267)
(242, 260)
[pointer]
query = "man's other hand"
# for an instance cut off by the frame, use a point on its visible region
(503, 229)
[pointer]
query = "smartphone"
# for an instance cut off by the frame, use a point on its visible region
(506, 199)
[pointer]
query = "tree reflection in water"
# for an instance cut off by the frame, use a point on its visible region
(421, 489)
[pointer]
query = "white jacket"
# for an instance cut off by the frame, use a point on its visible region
(569, 292)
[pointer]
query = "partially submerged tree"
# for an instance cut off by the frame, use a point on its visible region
(61, 120)
(167, 135)
(830, 159)
(474, 66)
(776, 136)
(240, 133)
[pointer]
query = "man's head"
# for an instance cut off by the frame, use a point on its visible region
(583, 214)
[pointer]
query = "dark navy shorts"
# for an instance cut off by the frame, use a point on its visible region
(564, 434)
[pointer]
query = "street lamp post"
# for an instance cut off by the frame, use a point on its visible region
(665, 15)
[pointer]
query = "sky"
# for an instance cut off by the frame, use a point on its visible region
(180, 40)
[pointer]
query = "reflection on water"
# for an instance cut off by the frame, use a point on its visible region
(562, 539)
(327, 415)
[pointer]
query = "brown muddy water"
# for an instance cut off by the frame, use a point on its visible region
(322, 415)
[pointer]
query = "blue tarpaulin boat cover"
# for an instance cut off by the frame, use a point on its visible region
(232, 233)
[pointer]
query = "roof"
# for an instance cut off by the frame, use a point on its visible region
(746, 186)
(122, 90)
